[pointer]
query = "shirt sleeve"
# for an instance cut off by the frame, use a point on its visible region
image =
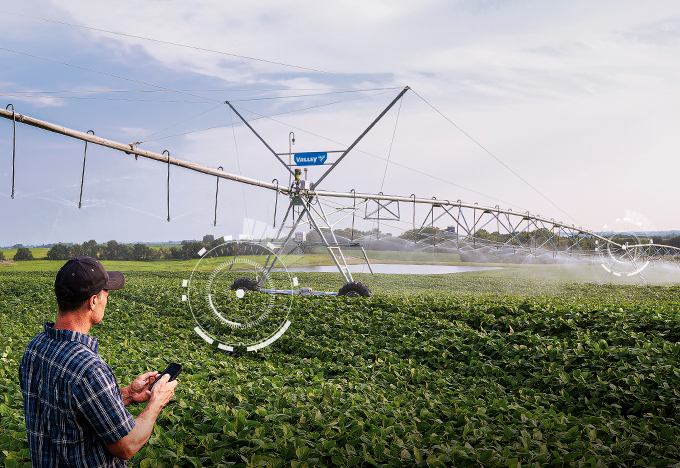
(99, 401)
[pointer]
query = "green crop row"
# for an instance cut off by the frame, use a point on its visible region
(432, 371)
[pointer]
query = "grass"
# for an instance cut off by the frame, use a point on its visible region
(355, 256)
(162, 265)
(577, 272)
(389, 256)
(37, 253)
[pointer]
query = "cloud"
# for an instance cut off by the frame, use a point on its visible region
(576, 97)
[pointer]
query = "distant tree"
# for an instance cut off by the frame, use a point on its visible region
(156, 254)
(674, 241)
(175, 253)
(91, 249)
(190, 249)
(208, 238)
(17, 246)
(123, 252)
(349, 233)
(58, 252)
(2, 255)
(108, 251)
(112, 250)
(23, 253)
(421, 234)
(312, 236)
(77, 250)
(144, 253)
(164, 253)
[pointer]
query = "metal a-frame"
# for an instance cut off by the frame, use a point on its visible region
(306, 206)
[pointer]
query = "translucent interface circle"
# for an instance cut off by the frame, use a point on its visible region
(624, 256)
(227, 310)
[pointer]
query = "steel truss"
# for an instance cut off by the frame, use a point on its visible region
(478, 226)
(319, 221)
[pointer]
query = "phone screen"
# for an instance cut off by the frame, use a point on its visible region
(173, 370)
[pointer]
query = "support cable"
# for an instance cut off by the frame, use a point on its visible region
(43, 95)
(389, 153)
(356, 142)
(14, 142)
(238, 163)
(259, 137)
(262, 116)
(179, 123)
(494, 156)
(195, 48)
(106, 74)
(102, 98)
(166, 151)
(267, 117)
(82, 177)
(223, 90)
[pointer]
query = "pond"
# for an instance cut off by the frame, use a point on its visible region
(396, 269)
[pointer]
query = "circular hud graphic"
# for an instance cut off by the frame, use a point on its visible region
(623, 255)
(231, 305)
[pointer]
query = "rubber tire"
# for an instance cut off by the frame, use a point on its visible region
(355, 289)
(247, 284)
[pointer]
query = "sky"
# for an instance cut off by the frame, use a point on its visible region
(569, 110)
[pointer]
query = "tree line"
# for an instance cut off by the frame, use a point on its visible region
(113, 250)
(188, 250)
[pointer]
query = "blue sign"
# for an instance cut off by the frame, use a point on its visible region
(310, 159)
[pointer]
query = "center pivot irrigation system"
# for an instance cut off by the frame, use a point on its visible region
(475, 231)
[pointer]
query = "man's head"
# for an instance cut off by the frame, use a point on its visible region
(80, 279)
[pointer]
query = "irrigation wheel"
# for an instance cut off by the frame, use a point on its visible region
(247, 284)
(355, 289)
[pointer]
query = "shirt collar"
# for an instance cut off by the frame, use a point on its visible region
(70, 335)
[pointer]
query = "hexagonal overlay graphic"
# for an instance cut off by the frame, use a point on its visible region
(224, 301)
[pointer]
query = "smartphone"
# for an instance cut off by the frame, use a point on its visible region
(173, 370)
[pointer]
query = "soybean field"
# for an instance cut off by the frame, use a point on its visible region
(447, 370)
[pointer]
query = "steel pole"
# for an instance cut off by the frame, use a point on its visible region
(130, 149)
(394, 101)
(258, 135)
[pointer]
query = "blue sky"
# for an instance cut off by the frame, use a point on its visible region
(581, 100)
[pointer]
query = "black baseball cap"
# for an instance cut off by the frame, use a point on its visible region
(84, 277)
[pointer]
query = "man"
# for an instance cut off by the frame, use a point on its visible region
(75, 412)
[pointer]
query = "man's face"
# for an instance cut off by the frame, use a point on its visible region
(99, 306)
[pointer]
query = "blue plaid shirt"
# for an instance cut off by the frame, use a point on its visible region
(72, 402)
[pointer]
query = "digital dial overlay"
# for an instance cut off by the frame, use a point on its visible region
(232, 305)
(624, 255)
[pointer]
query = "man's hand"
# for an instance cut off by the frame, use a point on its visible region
(138, 390)
(163, 391)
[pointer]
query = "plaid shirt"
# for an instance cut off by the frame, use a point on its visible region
(72, 402)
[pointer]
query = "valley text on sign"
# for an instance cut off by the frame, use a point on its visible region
(310, 159)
